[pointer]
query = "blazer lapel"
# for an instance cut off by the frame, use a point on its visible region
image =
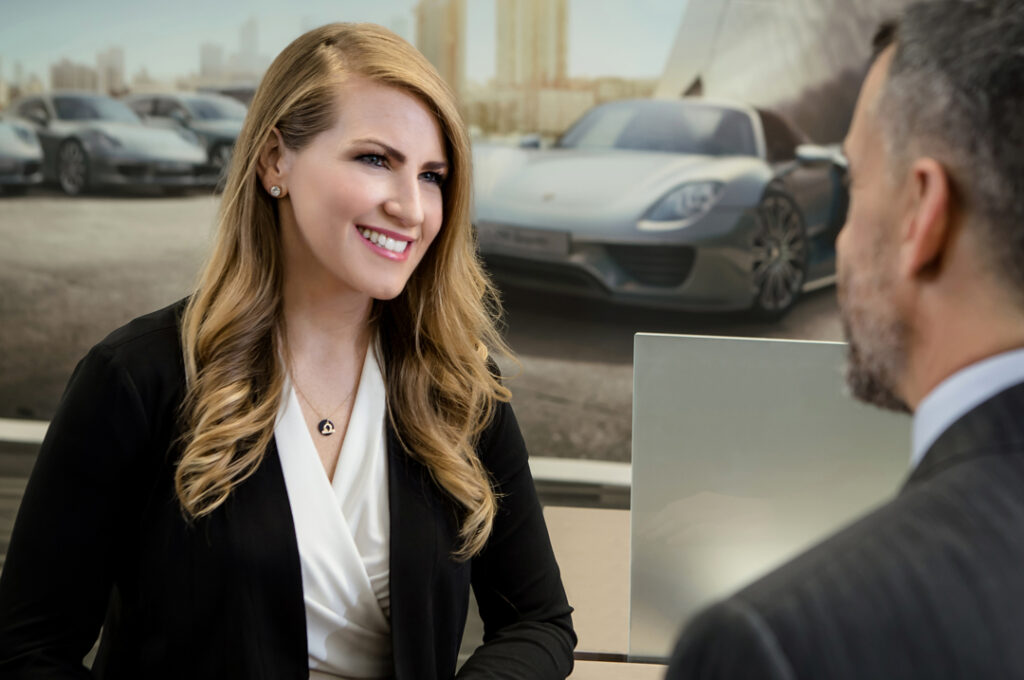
(414, 544)
(263, 543)
(995, 426)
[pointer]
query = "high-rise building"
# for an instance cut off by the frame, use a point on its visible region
(532, 43)
(249, 43)
(249, 37)
(33, 85)
(247, 64)
(67, 75)
(211, 61)
(110, 71)
(441, 37)
(531, 57)
(5, 88)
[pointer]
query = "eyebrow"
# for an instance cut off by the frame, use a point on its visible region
(435, 166)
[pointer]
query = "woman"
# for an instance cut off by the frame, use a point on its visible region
(301, 469)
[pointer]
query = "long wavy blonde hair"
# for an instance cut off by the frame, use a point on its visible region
(434, 336)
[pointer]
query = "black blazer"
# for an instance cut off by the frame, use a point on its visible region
(100, 540)
(930, 585)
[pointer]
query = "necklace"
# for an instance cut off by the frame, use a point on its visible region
(326, 426)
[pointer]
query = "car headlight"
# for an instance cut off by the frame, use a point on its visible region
(26, 135)
(682, 206)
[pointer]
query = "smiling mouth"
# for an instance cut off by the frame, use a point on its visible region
(384, 241)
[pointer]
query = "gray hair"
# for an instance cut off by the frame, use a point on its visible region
(955, 92)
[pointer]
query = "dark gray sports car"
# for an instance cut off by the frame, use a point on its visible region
(90, 140)
(675, 203)
(215, 119)
(21, 156)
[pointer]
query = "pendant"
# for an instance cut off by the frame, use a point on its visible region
(326, 427)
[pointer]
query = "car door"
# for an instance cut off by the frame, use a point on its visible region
(812, 186)
(35, 111)
(142, 106)
(169, 113)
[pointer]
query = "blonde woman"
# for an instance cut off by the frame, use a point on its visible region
(300, 470)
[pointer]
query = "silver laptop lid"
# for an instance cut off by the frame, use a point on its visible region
(745, 452)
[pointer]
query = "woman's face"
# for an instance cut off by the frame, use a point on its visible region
(363, 200)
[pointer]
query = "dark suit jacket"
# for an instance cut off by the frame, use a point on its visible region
(100, 540)
(930, 585)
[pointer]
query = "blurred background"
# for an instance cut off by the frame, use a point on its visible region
(652, 165)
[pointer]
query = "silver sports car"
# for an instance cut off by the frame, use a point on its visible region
(674, 203)
(21, 156)
(90, 140)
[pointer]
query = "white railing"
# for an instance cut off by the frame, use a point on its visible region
(561, 470)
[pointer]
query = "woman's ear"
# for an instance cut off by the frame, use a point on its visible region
(273, 164)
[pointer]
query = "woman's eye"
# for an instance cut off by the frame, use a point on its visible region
(374, 159)
(434, 177)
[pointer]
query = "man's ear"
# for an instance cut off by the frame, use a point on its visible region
(274, 162)
(928, 223)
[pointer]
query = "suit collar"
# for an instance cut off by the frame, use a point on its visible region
(996, 426)
(959, 393)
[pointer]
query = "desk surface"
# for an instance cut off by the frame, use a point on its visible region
(604, 670)
(592, 548)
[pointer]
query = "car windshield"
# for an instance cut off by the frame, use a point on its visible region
(215, 108)
(93, 108)
(669, 126)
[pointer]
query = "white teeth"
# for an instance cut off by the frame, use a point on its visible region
(383, 241)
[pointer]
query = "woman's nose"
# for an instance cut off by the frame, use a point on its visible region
(405, 204)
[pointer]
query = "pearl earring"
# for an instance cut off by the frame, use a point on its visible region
(275, 191)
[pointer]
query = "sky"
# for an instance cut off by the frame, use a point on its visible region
(629, 38)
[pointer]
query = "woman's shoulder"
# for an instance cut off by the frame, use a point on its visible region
(130, 383)
(149, 338)
(145, 352)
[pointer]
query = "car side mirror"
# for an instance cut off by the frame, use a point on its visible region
(531, 141)
(179, 117)
(815, 154)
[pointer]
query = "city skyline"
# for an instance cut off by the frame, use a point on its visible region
(168, 47)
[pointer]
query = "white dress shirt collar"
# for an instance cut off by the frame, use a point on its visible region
(961, 392)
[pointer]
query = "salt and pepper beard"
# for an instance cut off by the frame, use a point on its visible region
(877, 340)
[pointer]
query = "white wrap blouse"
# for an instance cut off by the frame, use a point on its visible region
(342, 528)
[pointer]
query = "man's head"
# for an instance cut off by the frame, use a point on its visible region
(936, 152)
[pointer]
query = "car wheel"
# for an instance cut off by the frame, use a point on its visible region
(72, 168)
(780, 250)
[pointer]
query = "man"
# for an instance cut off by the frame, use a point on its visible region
(931, 292)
